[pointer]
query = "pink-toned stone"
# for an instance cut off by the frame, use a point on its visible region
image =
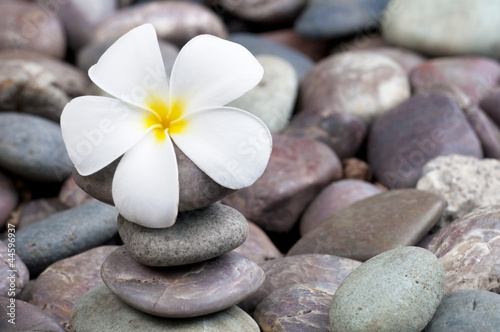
(263, 11)
(72, 195)
(491, 105)
(297, 170)
(486, 130)
(9, 263)
(39, 209)
(8, 198)
(333, 198)
(258, 247)
(58, 288)
(469, 249)
(407, 59)
(27, 318)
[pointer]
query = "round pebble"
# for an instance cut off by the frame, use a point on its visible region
(14, 274)
(196, 236)
(263, 11)
(8, 198)
(182, 291)
(21, 316)
(398, 290)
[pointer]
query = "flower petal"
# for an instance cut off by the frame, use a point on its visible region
(230, 145)
(132, 68)
(210, 72)
(98, 130)
(146, 184)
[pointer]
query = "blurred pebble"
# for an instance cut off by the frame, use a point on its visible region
(273, 99)
(72, 195)
(398, 290)
(58, 288)
(343, 133)
(38, 209)
(357, 169)
(14, 274)
(404, 139)
(297, 170)
(464, 182)
(27, 318)
(389, 220)
(264, 11)
(32, 147)
(8, 198)
(407, 59)
(447, 27)
(282, 272)
(299, 307)
(101, 310)
(33, 27)
(65, 234)
(258, 247)
(174, 21)
(337, 18)
(315, 49)
(333, 198)
(491, 105)
(486, 130)
(469, 249)
(365, 84)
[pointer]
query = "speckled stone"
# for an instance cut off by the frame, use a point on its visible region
(475, 76)
(365, 84)
(257, 46)
(27, 318)
(440, 28)
(32, 147)
(8, 198)
(65, 234)
(196, 189)
(258, 247)
(393, 219)
(38, 209)
(486, 130)
(467, 311)
(182, 291)
(298, 269)
(469, 249)
(30, 26)
(273, 99)
(263, 11)
(422, 128)
(174, 21)
(72, 195)
(297, 308)
(58, 288)
(101, 310)
(196, 236)
(464, 182)
(398, 290)
(343, 133)
(297, 170)
(18, 279)
(333, 198)
(337, 18)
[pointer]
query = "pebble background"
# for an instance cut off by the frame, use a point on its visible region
(379, 209)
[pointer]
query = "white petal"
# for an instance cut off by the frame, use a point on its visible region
(132, 68)
(146, 185)
(230, 145)
(210, 72)
(98, 130)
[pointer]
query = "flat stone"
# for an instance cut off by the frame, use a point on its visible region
(398, 290)
(196, 189)
(33, 147)
(8, 198)
(422, 128)
(185, 21)
(337, 18)
(58, 288)
(33, 27)
(258, 247)
(464, 182)
(273, 99)
(475, 76)
(27, 318)
(469, 249)
(389, 220)
(297, 170)
(286, 271)
(467, 310)
(72, 195)
(343, 133)
(258, 46)
(263, 11)
(486, 130)
(12, 283)
(38, 209)
(439, 28)
(196, 236)
(365, 84)
(182, 291)
(101, 310)
(333, 198)
(299, 307)
(65, 234)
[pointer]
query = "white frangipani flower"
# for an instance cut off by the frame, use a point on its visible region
(149, 113)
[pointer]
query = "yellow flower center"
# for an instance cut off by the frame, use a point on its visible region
(165, 118)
